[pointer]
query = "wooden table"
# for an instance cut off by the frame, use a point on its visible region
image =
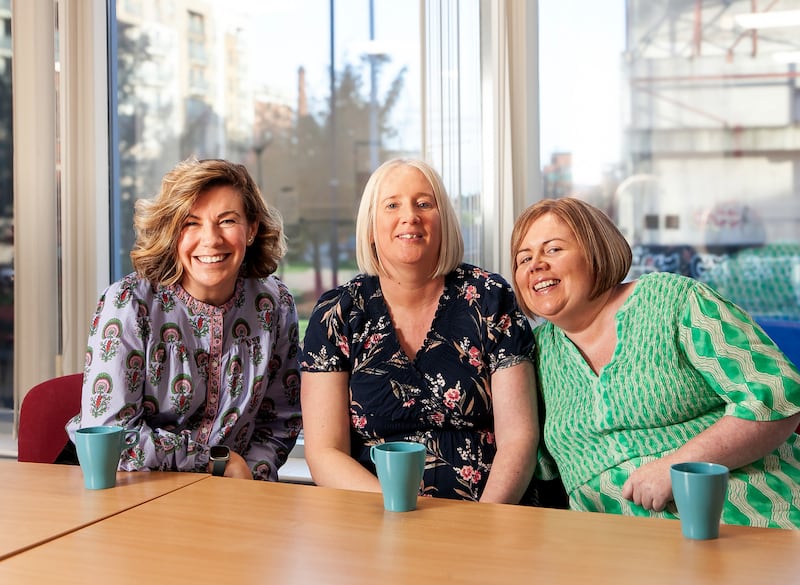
(40, 502)
(234, 531)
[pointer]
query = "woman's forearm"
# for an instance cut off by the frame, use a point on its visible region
(331, 467)
(512, 470)
(736, 442)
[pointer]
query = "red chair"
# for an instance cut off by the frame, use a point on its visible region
(45, 410)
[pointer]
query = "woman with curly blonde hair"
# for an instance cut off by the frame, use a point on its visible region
(197, 349)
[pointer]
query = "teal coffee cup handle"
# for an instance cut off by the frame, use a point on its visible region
(99, 449)
(400, 466)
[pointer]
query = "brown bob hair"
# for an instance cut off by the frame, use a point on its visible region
(604, 247)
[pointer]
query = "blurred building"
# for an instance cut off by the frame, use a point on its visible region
(712, 135)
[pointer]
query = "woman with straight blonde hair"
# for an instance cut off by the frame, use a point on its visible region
(419, 347)
(197, 349)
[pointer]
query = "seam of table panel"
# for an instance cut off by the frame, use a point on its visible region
(100, 519)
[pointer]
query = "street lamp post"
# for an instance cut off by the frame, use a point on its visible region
(334, 182)
(373, 94)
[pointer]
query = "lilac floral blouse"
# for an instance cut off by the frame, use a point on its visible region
(189, 375)
(443, 396)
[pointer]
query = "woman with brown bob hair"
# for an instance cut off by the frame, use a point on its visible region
(197, 349)
(637, 376)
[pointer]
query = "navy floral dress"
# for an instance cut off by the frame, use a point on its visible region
(443, 398)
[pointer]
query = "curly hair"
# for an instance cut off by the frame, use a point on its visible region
(158, 221)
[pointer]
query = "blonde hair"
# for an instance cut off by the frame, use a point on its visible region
(158, 221)
(604, 247)
(451, 249)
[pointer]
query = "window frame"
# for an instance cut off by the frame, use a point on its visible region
(79, 185)
(50, 334)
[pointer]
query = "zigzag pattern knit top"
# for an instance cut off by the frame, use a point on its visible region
(685, 357)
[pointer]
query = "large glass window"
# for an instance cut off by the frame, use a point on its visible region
(679, 118)
(311, 95)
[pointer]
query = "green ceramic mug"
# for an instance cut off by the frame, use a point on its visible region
(99, 450)
(399, 465)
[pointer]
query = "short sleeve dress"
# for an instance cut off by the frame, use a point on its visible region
(685, 357)
(443, 396)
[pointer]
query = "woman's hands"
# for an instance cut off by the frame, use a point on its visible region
(650, 486)
(236, 467)
(731, 441)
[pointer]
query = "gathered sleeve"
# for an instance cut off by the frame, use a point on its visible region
(278, 421)
(115, 371)
(737, 359)
(507, 336)
(326, 345)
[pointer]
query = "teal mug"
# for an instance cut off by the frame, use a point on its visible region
(699, 490)
(99, 450)
(399, 465)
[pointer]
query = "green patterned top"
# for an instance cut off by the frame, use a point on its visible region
(684, 358)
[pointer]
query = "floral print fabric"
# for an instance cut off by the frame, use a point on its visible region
(441, 397)
(189, 375)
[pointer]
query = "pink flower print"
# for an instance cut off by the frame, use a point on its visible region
(479, 273)
(471, 293)
(505, 323)
(451, 397)
(409, 403)
(453, 394)
(476, 476)
(489, 438)
(372, 340)
(344, 347)
(467, 472)
(474, 357)
(359, 422)
(438, 418)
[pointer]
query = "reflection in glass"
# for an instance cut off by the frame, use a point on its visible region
(311, 95)
(682, 124)
(6, 221)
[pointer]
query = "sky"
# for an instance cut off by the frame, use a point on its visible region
(580, 82)
(287, 34)
(579, 65)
